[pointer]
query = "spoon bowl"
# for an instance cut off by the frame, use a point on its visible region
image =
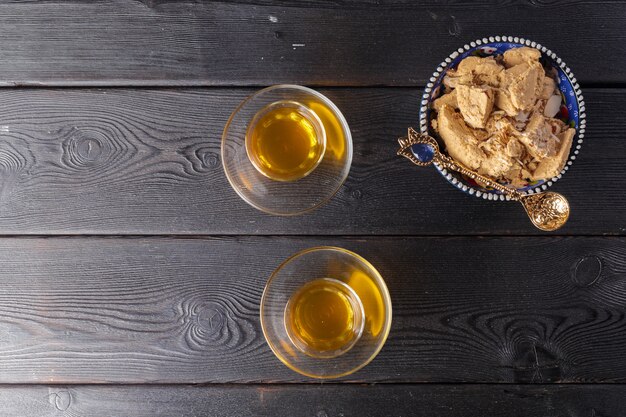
(547, 211)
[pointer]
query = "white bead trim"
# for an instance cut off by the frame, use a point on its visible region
(545, 51)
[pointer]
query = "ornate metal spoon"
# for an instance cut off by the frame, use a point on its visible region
(547, 211)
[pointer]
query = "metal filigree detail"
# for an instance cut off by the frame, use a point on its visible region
(449, 163)
(413, 138)
(548, 211)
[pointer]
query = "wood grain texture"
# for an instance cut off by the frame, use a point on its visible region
(120, 161)
(314, 401)
(364, 43)
(165, 310)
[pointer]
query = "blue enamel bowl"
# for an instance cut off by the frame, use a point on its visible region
(572, 110)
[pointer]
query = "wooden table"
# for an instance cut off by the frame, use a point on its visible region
(131, 273)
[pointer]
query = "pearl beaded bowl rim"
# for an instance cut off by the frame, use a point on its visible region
(442, 68)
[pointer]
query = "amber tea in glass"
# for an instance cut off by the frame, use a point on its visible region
(285, 141)
(325, 311)
(324, 318)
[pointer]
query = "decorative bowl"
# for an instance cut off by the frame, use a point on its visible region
(572, 110)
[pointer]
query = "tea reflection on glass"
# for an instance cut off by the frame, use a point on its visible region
(285, 141)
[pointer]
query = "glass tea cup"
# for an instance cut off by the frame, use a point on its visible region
(286, 149)
(325, 312)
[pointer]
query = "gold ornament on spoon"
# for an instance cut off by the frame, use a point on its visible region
(547, 211)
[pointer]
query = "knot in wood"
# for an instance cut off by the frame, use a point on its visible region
(85, 148)
(210, 318)
(61, 400)
(587, 271)
(210, 159)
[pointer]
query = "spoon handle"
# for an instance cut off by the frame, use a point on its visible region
(448, 163)
(415, 138)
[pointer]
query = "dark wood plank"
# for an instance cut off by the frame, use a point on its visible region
(148, 162)
(399, 43)
(113, 310)
(315, 401)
